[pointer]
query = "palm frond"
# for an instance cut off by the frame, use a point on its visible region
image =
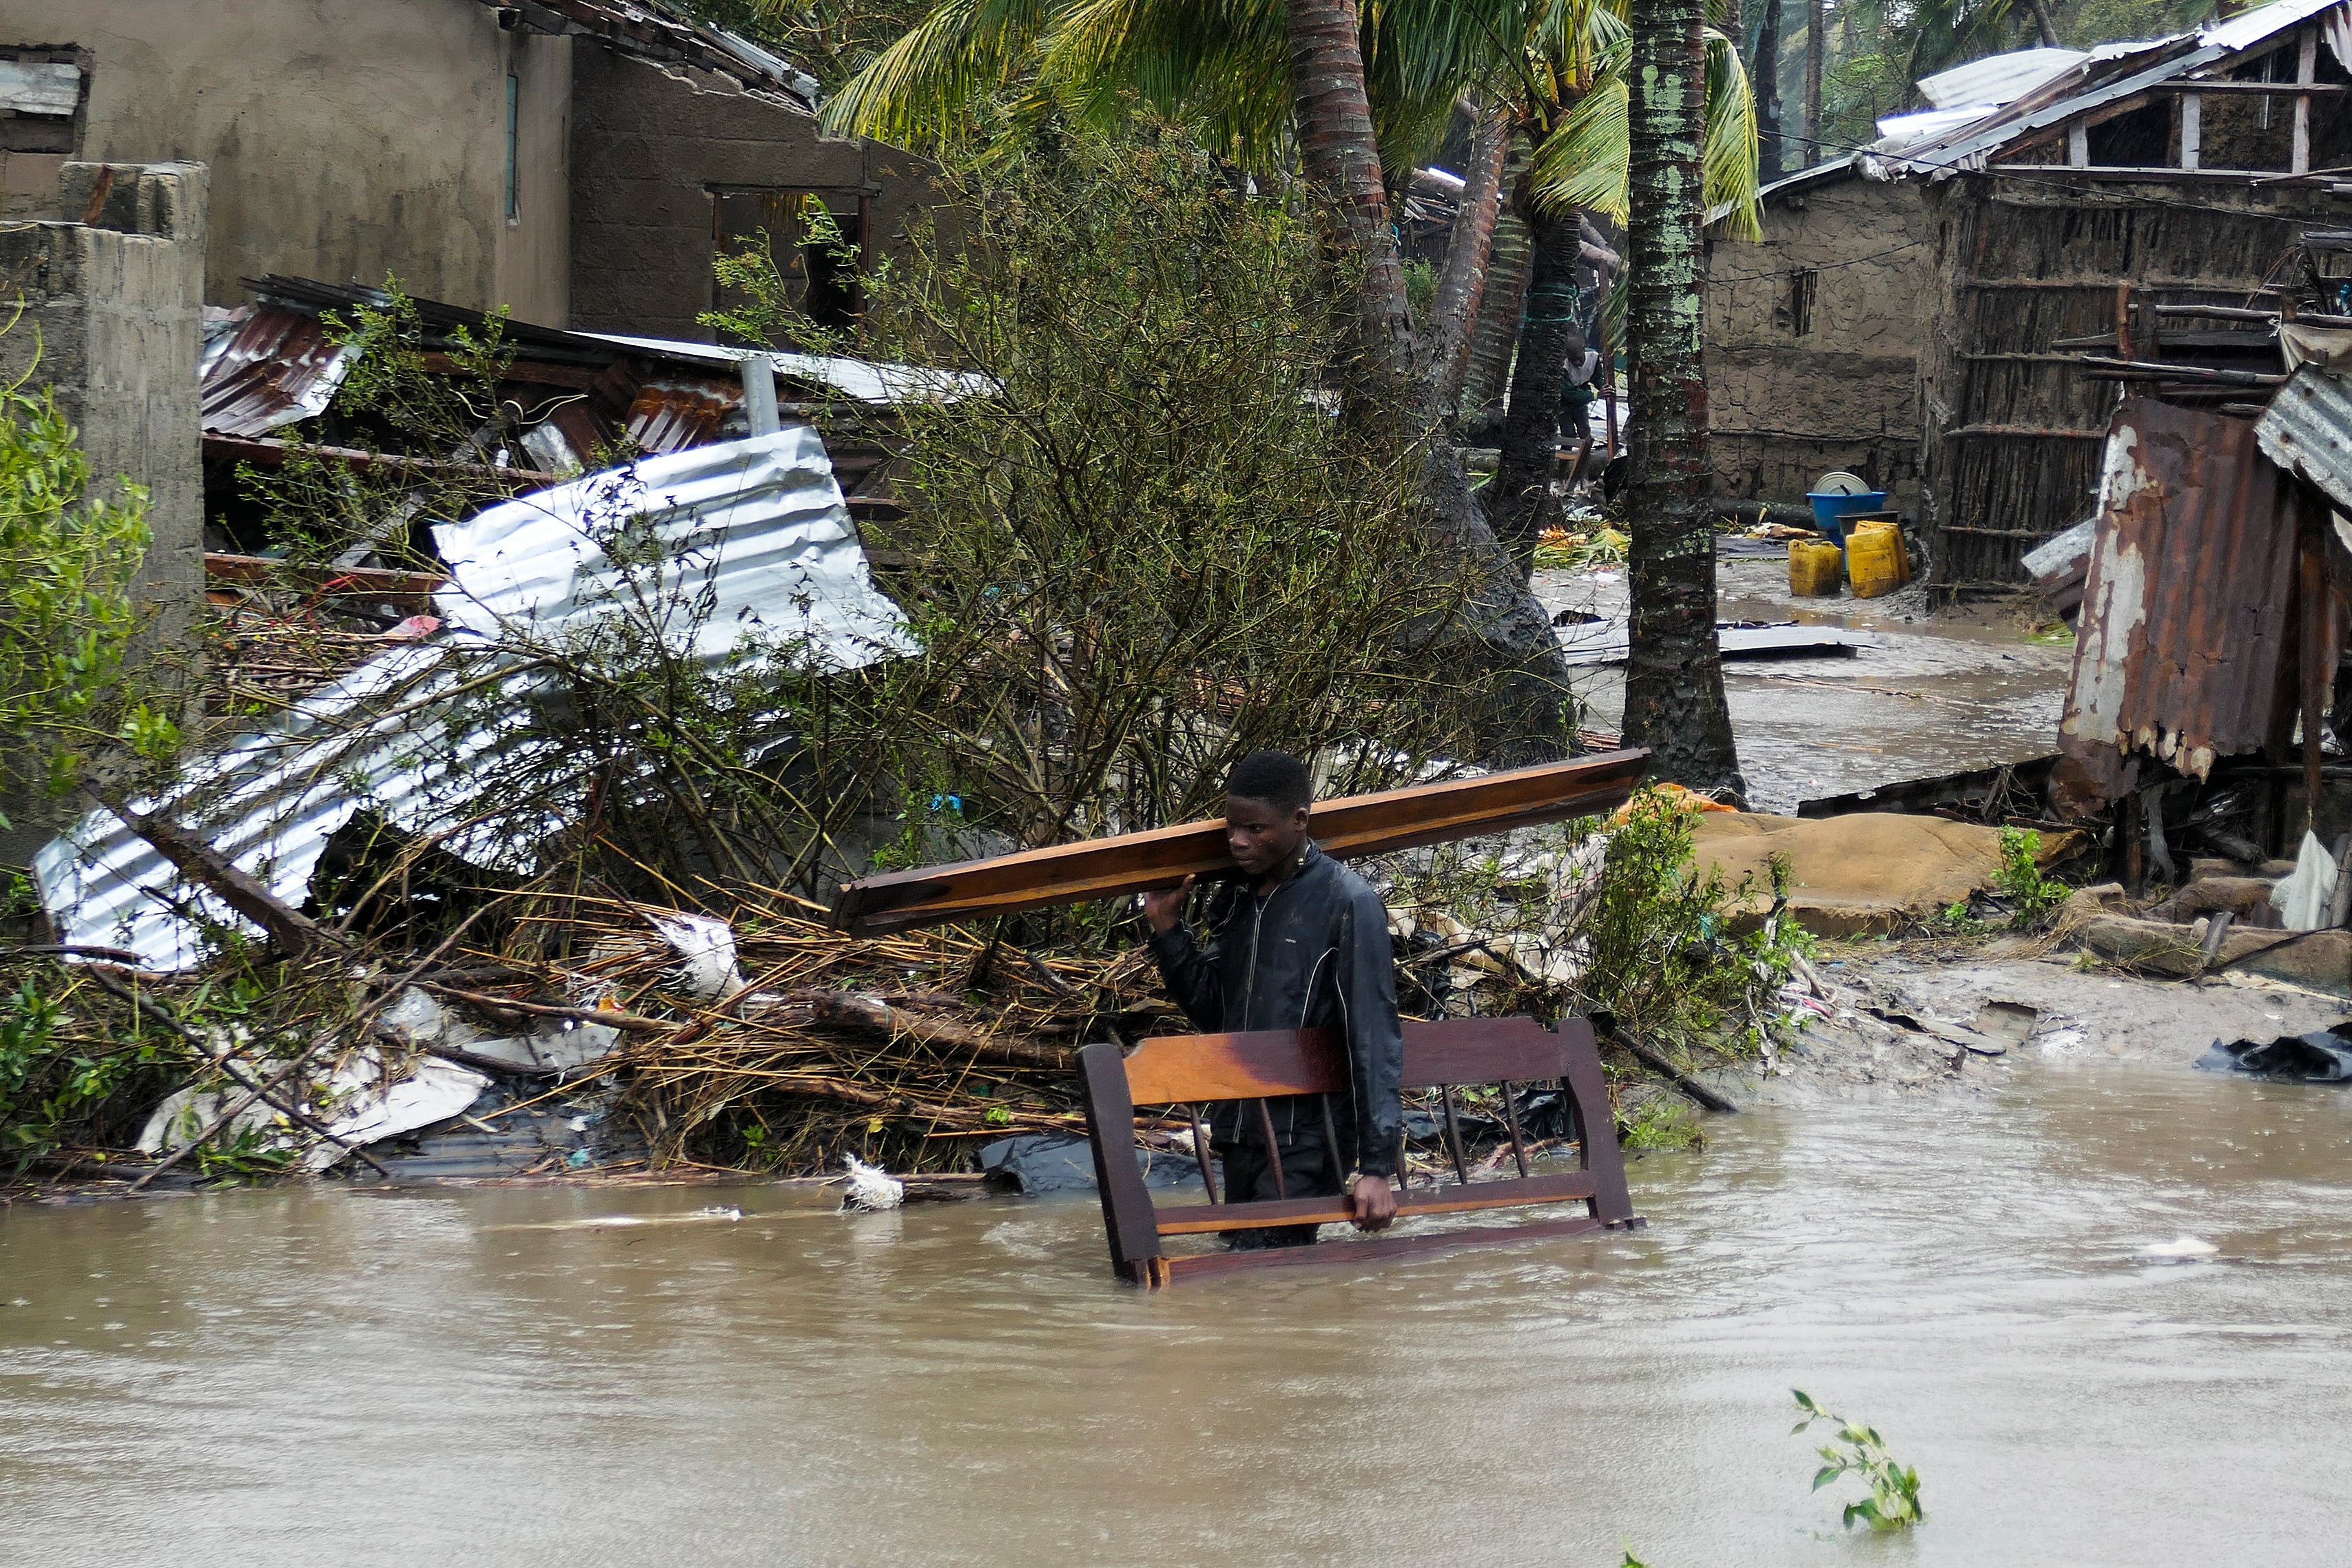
(1222, 65)
(1586, 162)
(1727, 154)
(918, 91)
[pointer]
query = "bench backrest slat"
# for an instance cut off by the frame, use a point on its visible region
(1179, 1068)
(1174, 1069)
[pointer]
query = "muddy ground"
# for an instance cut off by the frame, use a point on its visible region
(1921, 1016)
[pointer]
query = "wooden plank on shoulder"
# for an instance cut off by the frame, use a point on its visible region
(1346, 828)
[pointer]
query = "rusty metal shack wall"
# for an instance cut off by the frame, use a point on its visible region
(653, 142)
(1813, 337)
(346, 138)
(2015, 433)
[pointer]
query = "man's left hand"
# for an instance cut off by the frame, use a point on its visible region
(1375, 1203)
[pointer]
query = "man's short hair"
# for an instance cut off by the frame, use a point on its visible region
(1277, 778)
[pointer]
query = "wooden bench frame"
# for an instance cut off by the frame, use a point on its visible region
(1190, 1069)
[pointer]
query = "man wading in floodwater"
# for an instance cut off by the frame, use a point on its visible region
(1301, 943)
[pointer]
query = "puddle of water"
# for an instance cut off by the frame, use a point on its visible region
(1933, 696)
(296, 1377)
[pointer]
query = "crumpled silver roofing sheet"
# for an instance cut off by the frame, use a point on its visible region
(754, 529)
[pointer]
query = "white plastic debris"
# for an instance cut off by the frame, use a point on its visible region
(434, 1091)
(362, 1108)
(2180, 1247)
(871, 1187)
(2304, 897)
(706, 945)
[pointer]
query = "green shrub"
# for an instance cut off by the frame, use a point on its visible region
(2031, 896)
(66, 619)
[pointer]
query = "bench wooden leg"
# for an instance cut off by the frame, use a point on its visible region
(1129, 1221)
(1587, 1089)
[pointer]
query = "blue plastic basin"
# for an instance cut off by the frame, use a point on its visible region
(1830, 512)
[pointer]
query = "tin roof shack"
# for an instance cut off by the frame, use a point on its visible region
(577, 161)
(1813, 336)
(2137, 178)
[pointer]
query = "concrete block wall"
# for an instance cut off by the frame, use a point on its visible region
(650, 141)
(112, 290)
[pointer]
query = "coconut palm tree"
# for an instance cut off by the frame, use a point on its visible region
(1675, 700)
(1352, 96)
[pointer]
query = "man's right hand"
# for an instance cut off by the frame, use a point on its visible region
(1164, 906)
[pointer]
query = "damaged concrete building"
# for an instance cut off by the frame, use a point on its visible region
(578, 162)
(1906, 314)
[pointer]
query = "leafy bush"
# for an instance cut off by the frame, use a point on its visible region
(2031, 895)
(66, 619)
(1141, 544)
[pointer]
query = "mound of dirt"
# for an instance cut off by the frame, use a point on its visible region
(1861, 875)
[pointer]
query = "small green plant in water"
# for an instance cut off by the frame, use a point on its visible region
(2032, 896)
(1657, 1123)
(1893, 1499)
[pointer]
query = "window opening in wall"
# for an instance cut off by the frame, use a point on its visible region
(41, 95)
(1802, 286)
(824, 283)
(514, 147)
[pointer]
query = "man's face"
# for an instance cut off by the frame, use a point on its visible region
(1260, 836)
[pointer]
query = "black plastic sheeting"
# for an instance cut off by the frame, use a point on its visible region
(2324, 1056)
(1037, 1163)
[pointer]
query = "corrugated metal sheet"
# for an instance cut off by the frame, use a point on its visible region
(867, 381)
(755, 528)
(271, 369)
(2308, 430)
(1997, 78)
(50, 87)
(2108, 74)
(2185, 611)
(671, 414)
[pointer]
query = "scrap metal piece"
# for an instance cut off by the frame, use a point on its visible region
(755, 530)
(1346, 828)
(2185, 610)
(276, 366)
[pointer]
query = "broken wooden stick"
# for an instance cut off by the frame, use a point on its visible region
(295, 933)
(871, 1015)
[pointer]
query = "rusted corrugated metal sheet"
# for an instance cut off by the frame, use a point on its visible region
(276, 366)
(2186, 610)
(674, 413)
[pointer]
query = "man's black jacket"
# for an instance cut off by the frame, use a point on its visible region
(1314, 953)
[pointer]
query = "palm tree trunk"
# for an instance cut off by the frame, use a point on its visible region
(1509, 631)
(1519, 500)
(1816, 43)
(1673, 676)
(1767, 80)
(1497, 330)
(1339, 154)
(1462, 286)
(2041, 19)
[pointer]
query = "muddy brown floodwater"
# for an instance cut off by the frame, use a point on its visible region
(325, 1376)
